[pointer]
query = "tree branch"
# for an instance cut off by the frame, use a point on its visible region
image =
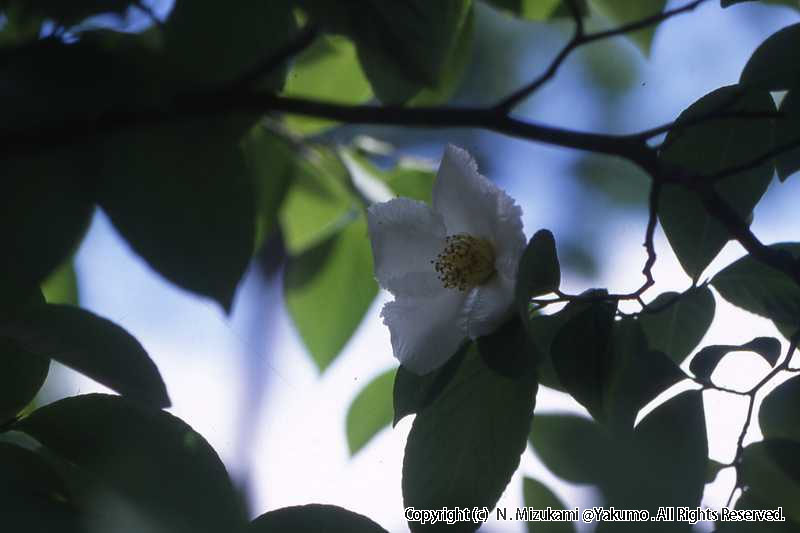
(579, 38)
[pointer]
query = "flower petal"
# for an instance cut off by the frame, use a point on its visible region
(487, 306)
(472, 204)
(406, 236)
(424, 331)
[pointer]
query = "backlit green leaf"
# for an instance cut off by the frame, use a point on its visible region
(779, 416)
(328, 288)
(787, 132)
(370, 411)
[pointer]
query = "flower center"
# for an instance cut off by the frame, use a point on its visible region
(466, 262)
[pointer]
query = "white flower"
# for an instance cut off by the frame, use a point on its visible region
(451, 268)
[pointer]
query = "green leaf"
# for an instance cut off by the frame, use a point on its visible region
(621, 12)
(638, 375)
(771, 470)
(370, 411)
(679, 321)
(706, 148)
(666, 465)
(772, 66)
(209, 44)
(270, 165)
(328, 289)
(33, 497)
(91, 345)
(778, 416)
(581, 353)
(414, 50)
(574, 448)
(787, 131)
(538, 273)
(760, 289)
(405, 178)
(538, 496)
(313, 518)
(61, 287)
(318, 202)
(543, 329)
(22, 374)
(748, 501)
(481, 418)
(329, 71)
(151, 459)
(413, 392)
(180, 195)
(528, 9)
(713, 468)
(707, 359)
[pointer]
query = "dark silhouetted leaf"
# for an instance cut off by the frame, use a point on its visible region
(772, 66)
(45, 208)
(209, 45)
(787, 131)
(33, 497)
(666, 464)
(91, 345)
(481, 418)
(707, 359)
(180, 195)
(638, 375)
(706, 148)
(779, 416)
(771, 470)
(370, 411)
(573, 448)
(329, 288)
(154, 461)
(543, 329)
(22, 374)
(313, 518)
(413, 392)
(581, 353)
(538, 272)
(760, 289)
(680, 321)
(538, 496)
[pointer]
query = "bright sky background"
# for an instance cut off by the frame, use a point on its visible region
(246, 384)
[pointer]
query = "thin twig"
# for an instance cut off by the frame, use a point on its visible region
(579, 38)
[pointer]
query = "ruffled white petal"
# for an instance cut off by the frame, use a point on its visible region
(406, 236)
(465, 199)
(472, 204)
(487, 307)
(425, 331)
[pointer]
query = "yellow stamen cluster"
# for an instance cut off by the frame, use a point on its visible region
(465, 262)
